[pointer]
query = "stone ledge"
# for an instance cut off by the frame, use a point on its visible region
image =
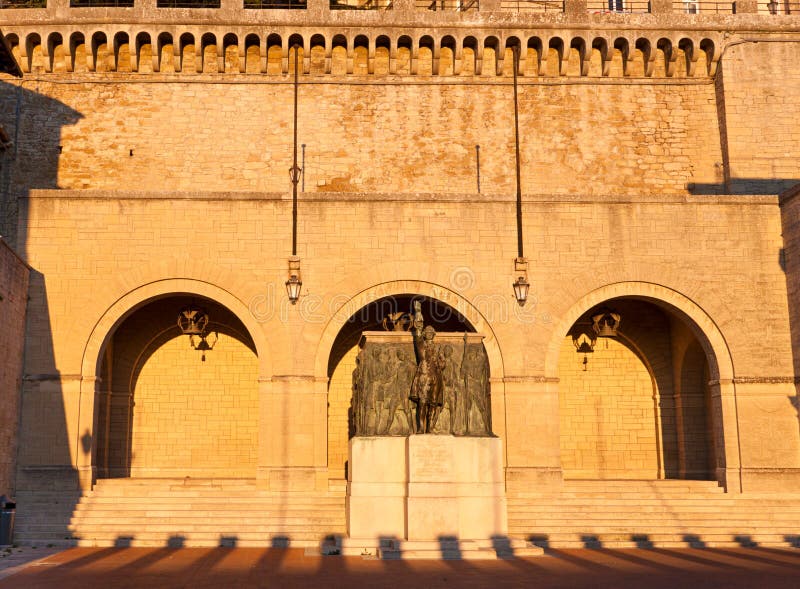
(383, 197)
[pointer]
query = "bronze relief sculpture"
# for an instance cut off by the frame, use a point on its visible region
(413, 383)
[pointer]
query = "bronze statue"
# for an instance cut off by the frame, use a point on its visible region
(427, 387)
(402, 385)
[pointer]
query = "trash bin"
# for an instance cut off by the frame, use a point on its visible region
(7, 511)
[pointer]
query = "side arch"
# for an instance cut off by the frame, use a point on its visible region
(725, 419)
(703, 326)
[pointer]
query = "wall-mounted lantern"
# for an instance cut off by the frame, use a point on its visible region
(193, 321)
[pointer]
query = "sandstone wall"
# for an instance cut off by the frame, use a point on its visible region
(13, 302)
(403, 136)
(757, 95)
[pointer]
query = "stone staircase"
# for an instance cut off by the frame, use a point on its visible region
(197, 512)
(664, 513)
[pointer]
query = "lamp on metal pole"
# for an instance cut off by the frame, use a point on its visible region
(521, 284)
(294, 283)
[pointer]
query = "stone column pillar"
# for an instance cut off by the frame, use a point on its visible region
(85, 450)
(533, 443)
(726, 435)
(293, 433)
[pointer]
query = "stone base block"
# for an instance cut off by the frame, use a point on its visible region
(426, 488)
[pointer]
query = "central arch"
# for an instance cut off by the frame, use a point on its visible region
(403, 287)
(335, 360)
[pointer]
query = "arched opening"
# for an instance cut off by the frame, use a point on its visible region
(102, 57)
(397, 363)
(297, 52)
(166, 54)
(122, 52)
(317, 54)
(230, 44)
(382, 52)
(252, 52)
(512, 43)
(491, 47)
(469, 53)
(361, 55)
(35, 54)
(168, 407)
(339, 55)
(274, 54)
(555, 52)
(144, 52)
(56, 50)
(404, 54)
(447, 56)
(208, 45)
(425, 56)
(533, 57)
(188, 54)
(77, 50)
(636, 404)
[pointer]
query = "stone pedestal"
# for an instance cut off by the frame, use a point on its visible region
(422, 495)
(455, 488)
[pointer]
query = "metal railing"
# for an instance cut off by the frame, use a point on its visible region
(701, 7)
(532, 5)
(361, 4)
(101, 3)
(23, 4)
(449, 5)
(188, 4)
(275, 4)
(618, 6)
(780, 8)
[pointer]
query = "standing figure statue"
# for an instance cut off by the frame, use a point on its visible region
(426, 388)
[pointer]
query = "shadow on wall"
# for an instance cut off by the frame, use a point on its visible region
(47, 485)
(756, 186)
(34, 124)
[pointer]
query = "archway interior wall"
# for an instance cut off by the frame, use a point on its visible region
(166, 412)
(618, 417)
(643, 407)
(340, 392)
(607, 415)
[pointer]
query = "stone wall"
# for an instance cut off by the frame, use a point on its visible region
(13, 303)
(758, 115)
(133, 187)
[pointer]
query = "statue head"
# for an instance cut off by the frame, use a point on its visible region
(428, 333)
(448, 351)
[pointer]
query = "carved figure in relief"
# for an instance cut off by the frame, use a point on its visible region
(426, 389)
(399, 415)
(476, 392)
(450, 386)
(356, 400)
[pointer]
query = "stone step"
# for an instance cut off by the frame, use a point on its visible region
(685, 539)
(220, 528)
(206, 495)
(681, 526)
(191, 503)
(592, 503)
(173, 481)
(650, 509)
(312, 544)
(207, 514)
